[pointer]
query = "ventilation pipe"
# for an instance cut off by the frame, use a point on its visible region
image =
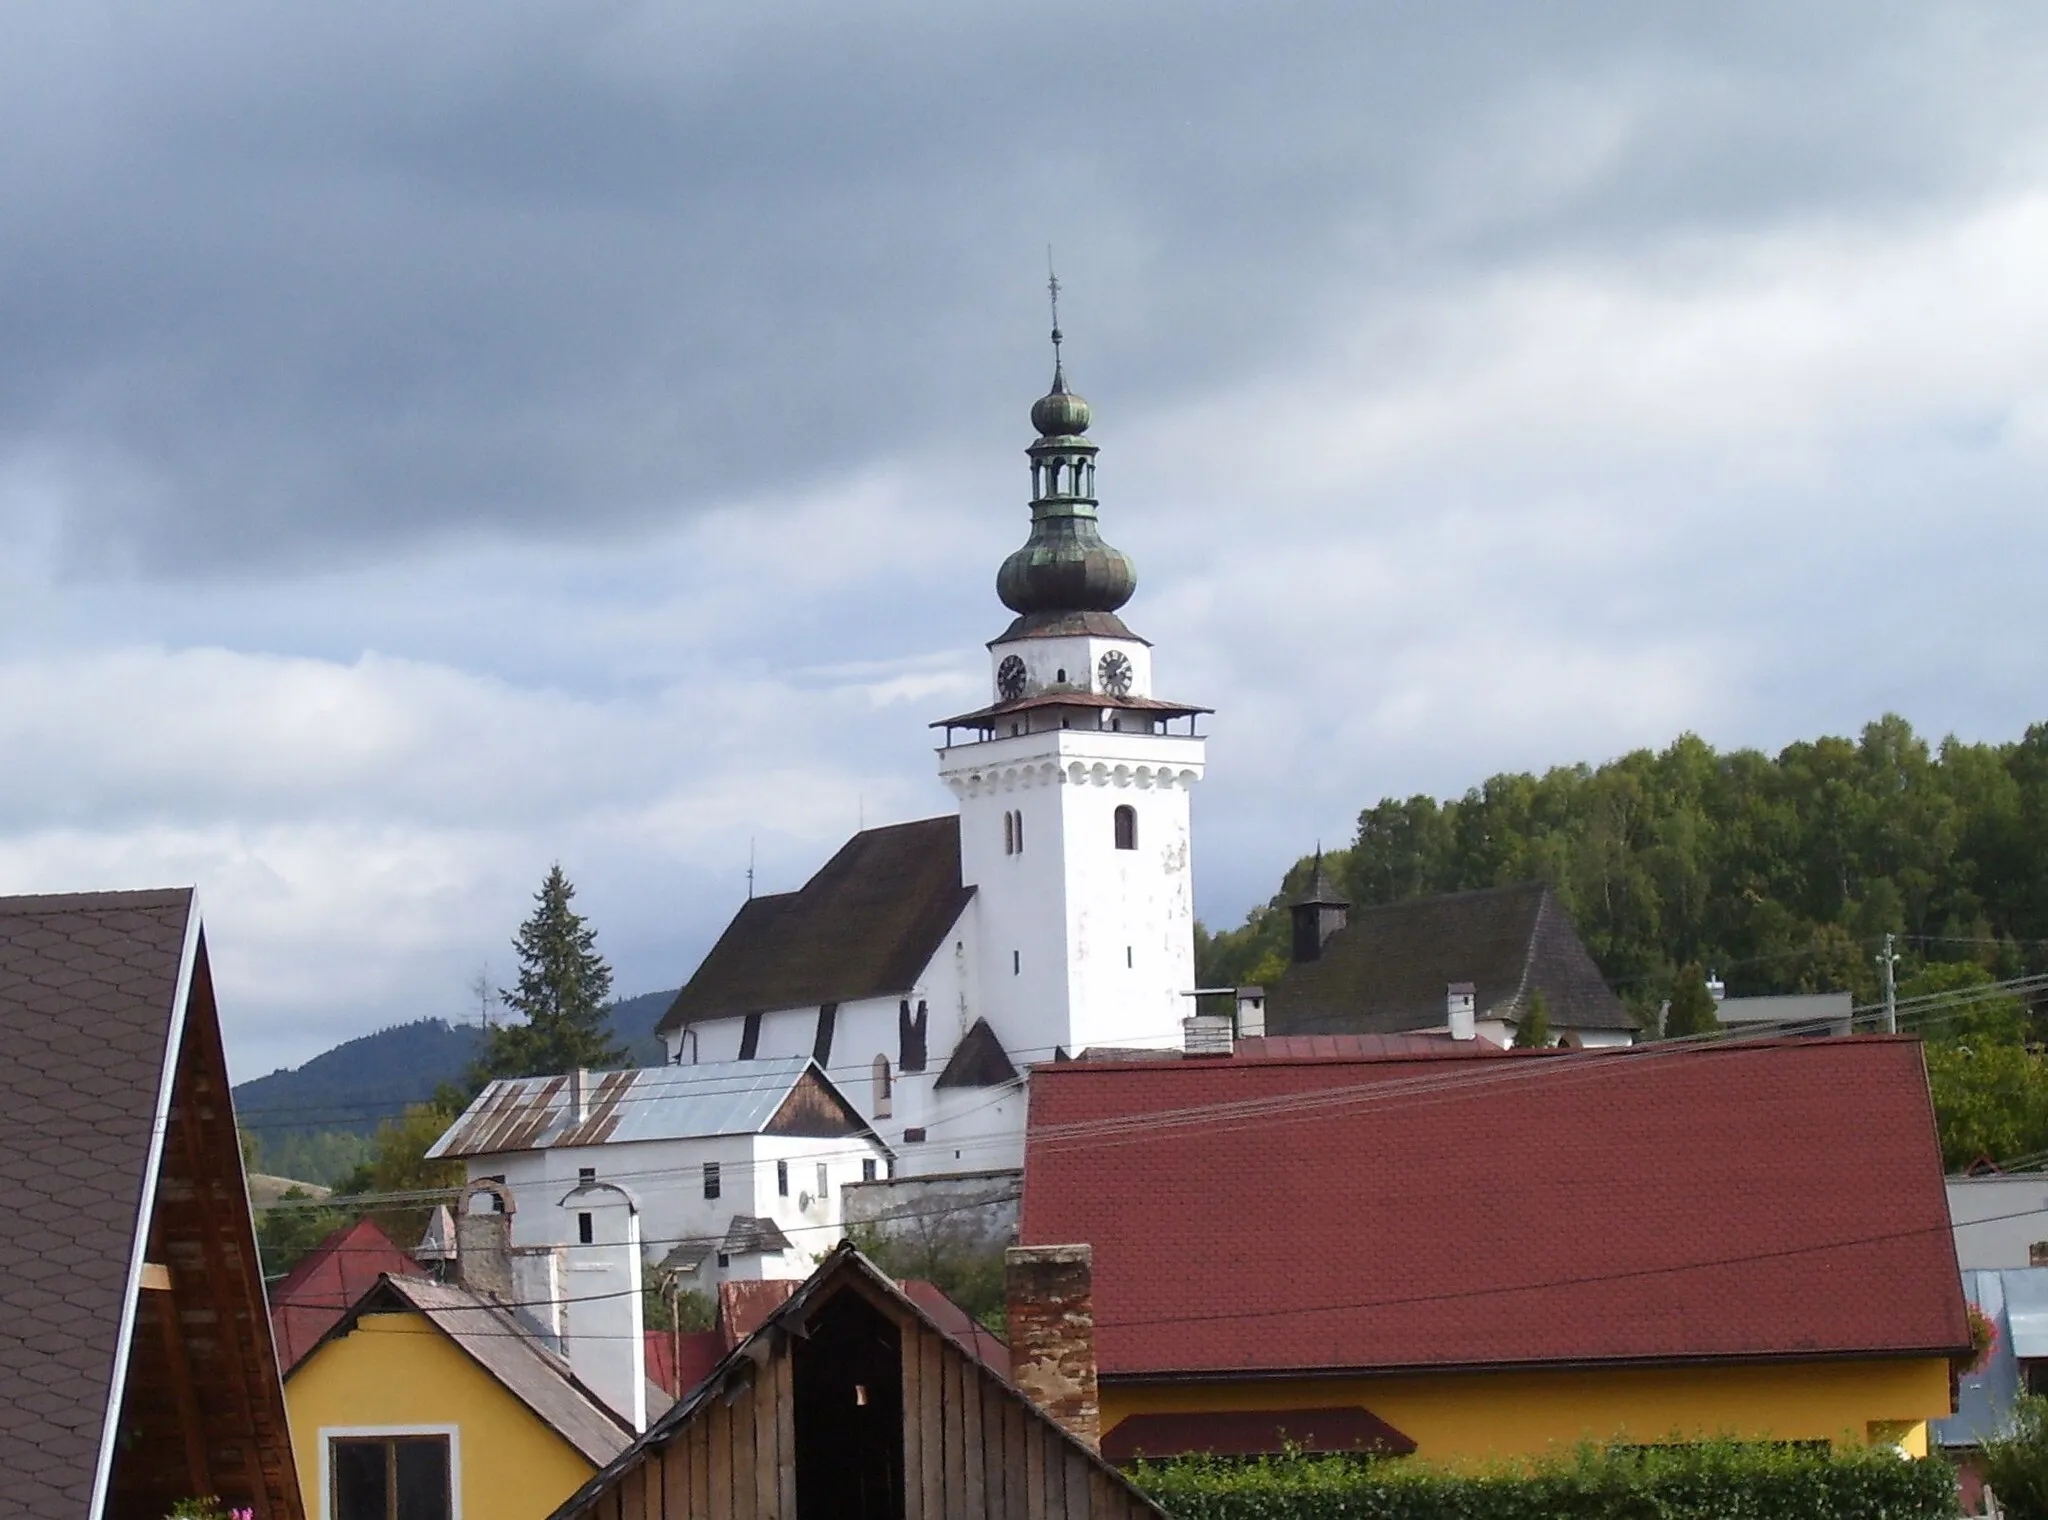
(579, 1095)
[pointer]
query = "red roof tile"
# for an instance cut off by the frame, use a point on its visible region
(326, 1283)
(1753, 1199)
(678, 1363)
(1440, 1046)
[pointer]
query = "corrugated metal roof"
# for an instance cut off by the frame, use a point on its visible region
(653, 1103)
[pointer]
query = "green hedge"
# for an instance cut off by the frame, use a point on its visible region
(1709, 1481)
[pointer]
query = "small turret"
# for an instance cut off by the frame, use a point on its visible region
(1318, 913)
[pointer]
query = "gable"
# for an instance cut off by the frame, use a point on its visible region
(129, 1245)
(333, 1275)
(866, 925)
(959, 1438)
(395, 1369)
(1386, 971)
(814, 1109)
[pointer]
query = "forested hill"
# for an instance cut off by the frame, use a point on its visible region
(1781, 873)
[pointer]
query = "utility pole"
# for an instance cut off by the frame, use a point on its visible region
(1889, 960)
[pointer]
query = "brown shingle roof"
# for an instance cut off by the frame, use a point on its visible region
(87, 986)
(1386, 971)
(107, 1025)
(864, 926)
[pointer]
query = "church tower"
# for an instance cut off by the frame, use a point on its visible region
(1074, 783)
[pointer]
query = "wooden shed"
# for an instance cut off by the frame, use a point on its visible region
(850, 1402)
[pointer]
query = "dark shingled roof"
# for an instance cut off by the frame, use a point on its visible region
(1387, 970)
(979, 1060)
(92, 989)
(865, 926)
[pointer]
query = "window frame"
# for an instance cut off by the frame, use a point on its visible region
(1125, 814)
(329, 1434)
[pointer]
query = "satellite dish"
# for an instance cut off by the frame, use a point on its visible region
(803, 1200)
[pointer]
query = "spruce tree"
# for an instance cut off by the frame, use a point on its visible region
(1692, 1010)
(1533, 1033)
(564, 994)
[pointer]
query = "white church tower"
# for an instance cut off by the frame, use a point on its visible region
(1074, 784)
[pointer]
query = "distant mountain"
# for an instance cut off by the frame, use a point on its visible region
(315, 1116)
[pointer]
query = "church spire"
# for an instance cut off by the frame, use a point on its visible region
(1065, 574)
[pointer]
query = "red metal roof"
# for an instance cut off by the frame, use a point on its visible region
(1741, 1200)
(326, 1284)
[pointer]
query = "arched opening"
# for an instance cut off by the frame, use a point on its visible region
(1126, 827)
(884, 1088)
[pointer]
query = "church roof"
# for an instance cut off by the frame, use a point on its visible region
(866, 925)
(1386, 971)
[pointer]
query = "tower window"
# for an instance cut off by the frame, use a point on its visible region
(1061, 676)
(782, 1179)
(711, 1179)
(586, 1230)
(1129, 960)
(884, 1088)
(1126, 827)
(1016, 962)
(585, 1175)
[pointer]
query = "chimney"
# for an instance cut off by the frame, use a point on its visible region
(1716, 988)
(483, 1240)
(602, 1329)
(1206, 1034)
(1052, 1334)
(1461, 1011)
(579, 1095)
(1251, 1013)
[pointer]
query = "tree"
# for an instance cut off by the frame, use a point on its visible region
(291, 1227)
(2015, 1465)
(1533, 1033)
(562, 997)
(400, 1165)
(1692, 1010)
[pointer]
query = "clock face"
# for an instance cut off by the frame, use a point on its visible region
(1010, 678)
(1114, 671)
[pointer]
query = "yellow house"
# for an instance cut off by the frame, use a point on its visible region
(1473, 1260)
(428, 1400)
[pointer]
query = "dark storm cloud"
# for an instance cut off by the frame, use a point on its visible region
(277, 286)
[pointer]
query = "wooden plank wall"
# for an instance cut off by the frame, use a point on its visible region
(971, 1452)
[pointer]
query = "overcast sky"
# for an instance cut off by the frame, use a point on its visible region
(438, 440)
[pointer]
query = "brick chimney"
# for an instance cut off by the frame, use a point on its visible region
(1051, 1296)
(483, 1239)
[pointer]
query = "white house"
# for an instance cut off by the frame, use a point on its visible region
(734, 1166)
(927, 965)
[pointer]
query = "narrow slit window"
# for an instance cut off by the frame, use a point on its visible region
(586, 1229)
(1126, 827)
(1016, 962)
(711, 1187)
(867, 1169)
(782, 1179)
(884, 1088)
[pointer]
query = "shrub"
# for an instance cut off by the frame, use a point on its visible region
(2015, 1465)
(1707, 1481)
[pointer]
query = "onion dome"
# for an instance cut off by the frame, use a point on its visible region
(1064, 567)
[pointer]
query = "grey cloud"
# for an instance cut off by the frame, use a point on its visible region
(280, 287)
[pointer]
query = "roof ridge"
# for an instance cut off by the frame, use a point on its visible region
(1529, 949)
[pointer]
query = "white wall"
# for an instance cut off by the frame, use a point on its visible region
(667, 1178)
(1996, 1219)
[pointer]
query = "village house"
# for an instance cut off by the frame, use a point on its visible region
(137, 1367)
(496, 1393)
(1474, 1259)
(735, 1166)
(849, 1400)
(1464, 963)
(325, 1283)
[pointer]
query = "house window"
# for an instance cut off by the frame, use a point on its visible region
(711, 1179)
(724, 1260)
(1126, 827)
(586, 1231)
(824, 1183)
(884, 1092)
(585, 1175)
(782, 1179)
(389, 1478)
(867, 1169)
